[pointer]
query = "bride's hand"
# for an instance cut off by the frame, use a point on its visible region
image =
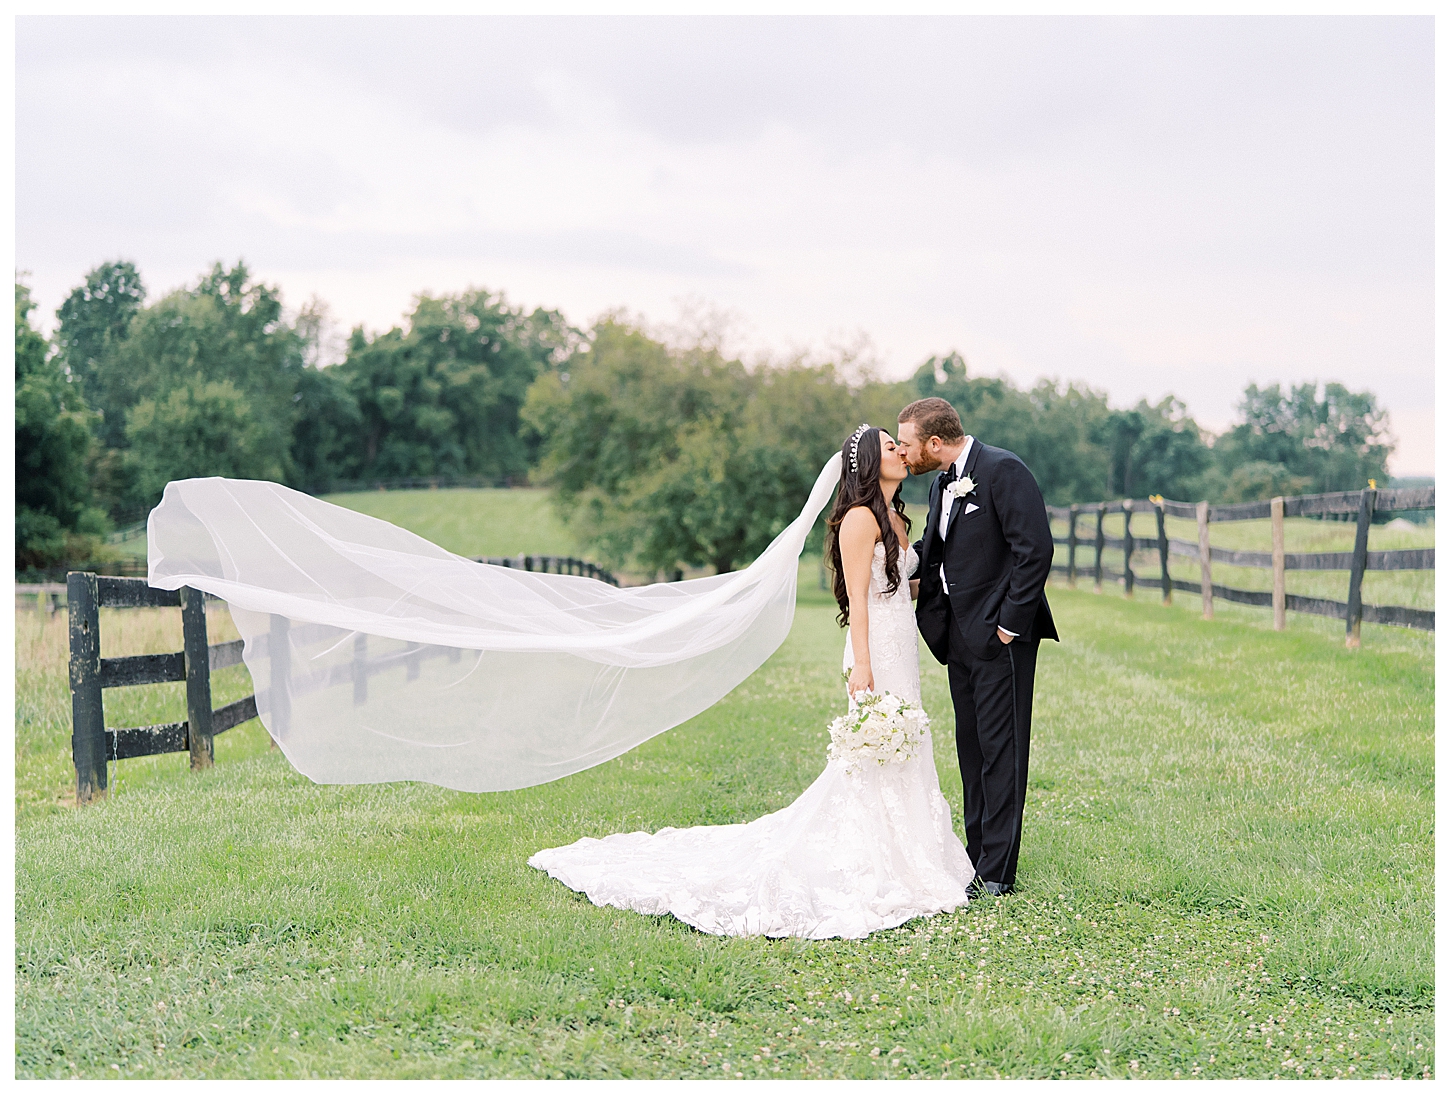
(861, 680)
(915, 587)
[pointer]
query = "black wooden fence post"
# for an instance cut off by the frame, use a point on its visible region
(1127, 548)
(1276, 533)
(198, 677)
(1205, 561)
(1072, 547)
(1163, 551)
(88, 718)
(1098, 550)
(1355, 610)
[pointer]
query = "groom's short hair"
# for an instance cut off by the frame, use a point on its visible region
(933, 417)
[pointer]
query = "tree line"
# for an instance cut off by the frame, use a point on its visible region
(660, 455)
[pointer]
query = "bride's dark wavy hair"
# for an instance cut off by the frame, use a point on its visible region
(863, 488)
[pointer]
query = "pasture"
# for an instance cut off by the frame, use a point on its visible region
(1227, 871)
(464, 521)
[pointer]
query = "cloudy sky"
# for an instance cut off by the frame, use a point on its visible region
(1152, 205)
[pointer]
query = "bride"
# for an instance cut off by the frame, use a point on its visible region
(861, 849)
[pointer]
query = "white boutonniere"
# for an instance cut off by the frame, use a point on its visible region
(960, 488)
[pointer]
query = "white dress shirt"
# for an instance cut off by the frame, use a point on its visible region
(946, 510)
(960, 464)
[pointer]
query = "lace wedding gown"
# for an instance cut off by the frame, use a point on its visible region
(855, 853)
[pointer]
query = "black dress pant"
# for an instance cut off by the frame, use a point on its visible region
(993, 702)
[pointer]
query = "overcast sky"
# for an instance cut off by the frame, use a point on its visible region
(1151, 205)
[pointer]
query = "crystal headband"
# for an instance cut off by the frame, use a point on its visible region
(856, 443)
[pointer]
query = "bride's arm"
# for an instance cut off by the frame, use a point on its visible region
(858, 536)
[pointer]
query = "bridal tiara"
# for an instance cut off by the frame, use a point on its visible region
(856, 443)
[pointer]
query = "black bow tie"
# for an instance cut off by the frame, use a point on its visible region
(950, 475)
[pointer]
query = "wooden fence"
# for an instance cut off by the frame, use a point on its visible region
(551, 564)
(119, 568)
(1362, 504)
(419, 482)
(94, 744)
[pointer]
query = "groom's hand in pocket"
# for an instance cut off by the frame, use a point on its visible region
(1005, 636)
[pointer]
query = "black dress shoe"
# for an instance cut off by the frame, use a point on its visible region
(980, 887)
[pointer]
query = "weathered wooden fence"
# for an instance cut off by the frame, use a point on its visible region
(93, 743)
(47, 595)
(419, 482)
(550, 564)
(1362, 504)
(117, 568)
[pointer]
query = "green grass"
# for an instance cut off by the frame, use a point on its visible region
(471, 522)
(1226, 871)
(466, 522)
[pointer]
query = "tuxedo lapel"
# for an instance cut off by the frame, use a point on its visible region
(959, 504)
(972, 457)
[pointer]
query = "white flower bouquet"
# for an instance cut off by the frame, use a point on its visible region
(883, 727)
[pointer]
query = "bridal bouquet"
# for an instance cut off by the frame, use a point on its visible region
(883, 727)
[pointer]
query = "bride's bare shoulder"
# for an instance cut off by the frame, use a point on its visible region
(860, 521)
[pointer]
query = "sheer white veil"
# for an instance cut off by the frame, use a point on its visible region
(378, 656)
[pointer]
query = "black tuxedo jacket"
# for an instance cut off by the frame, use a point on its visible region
(997, 558)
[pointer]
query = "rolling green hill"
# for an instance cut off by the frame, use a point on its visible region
(471, 522)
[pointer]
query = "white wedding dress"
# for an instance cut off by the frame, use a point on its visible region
(857, 852)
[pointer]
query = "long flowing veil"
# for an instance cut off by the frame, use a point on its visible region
(378, 656)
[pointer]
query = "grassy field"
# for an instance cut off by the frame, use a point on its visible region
(1226, 871)
(467, 522)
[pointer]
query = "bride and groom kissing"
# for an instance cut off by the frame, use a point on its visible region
(868, 847)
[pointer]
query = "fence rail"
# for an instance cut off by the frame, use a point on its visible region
(420, 482)
(1362, 504)
(550, 564)
(94, 744)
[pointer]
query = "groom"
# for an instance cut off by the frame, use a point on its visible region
(985, 555)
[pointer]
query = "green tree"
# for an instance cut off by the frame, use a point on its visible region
(611, 425)
(325, 440)
(444, 396)
(201, 428)
(1259, 479)
(1055, 428)
(667, 457)
(54, 518)
(1337, 441)
(93, 321)
(226, 334)
(1157, 449)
